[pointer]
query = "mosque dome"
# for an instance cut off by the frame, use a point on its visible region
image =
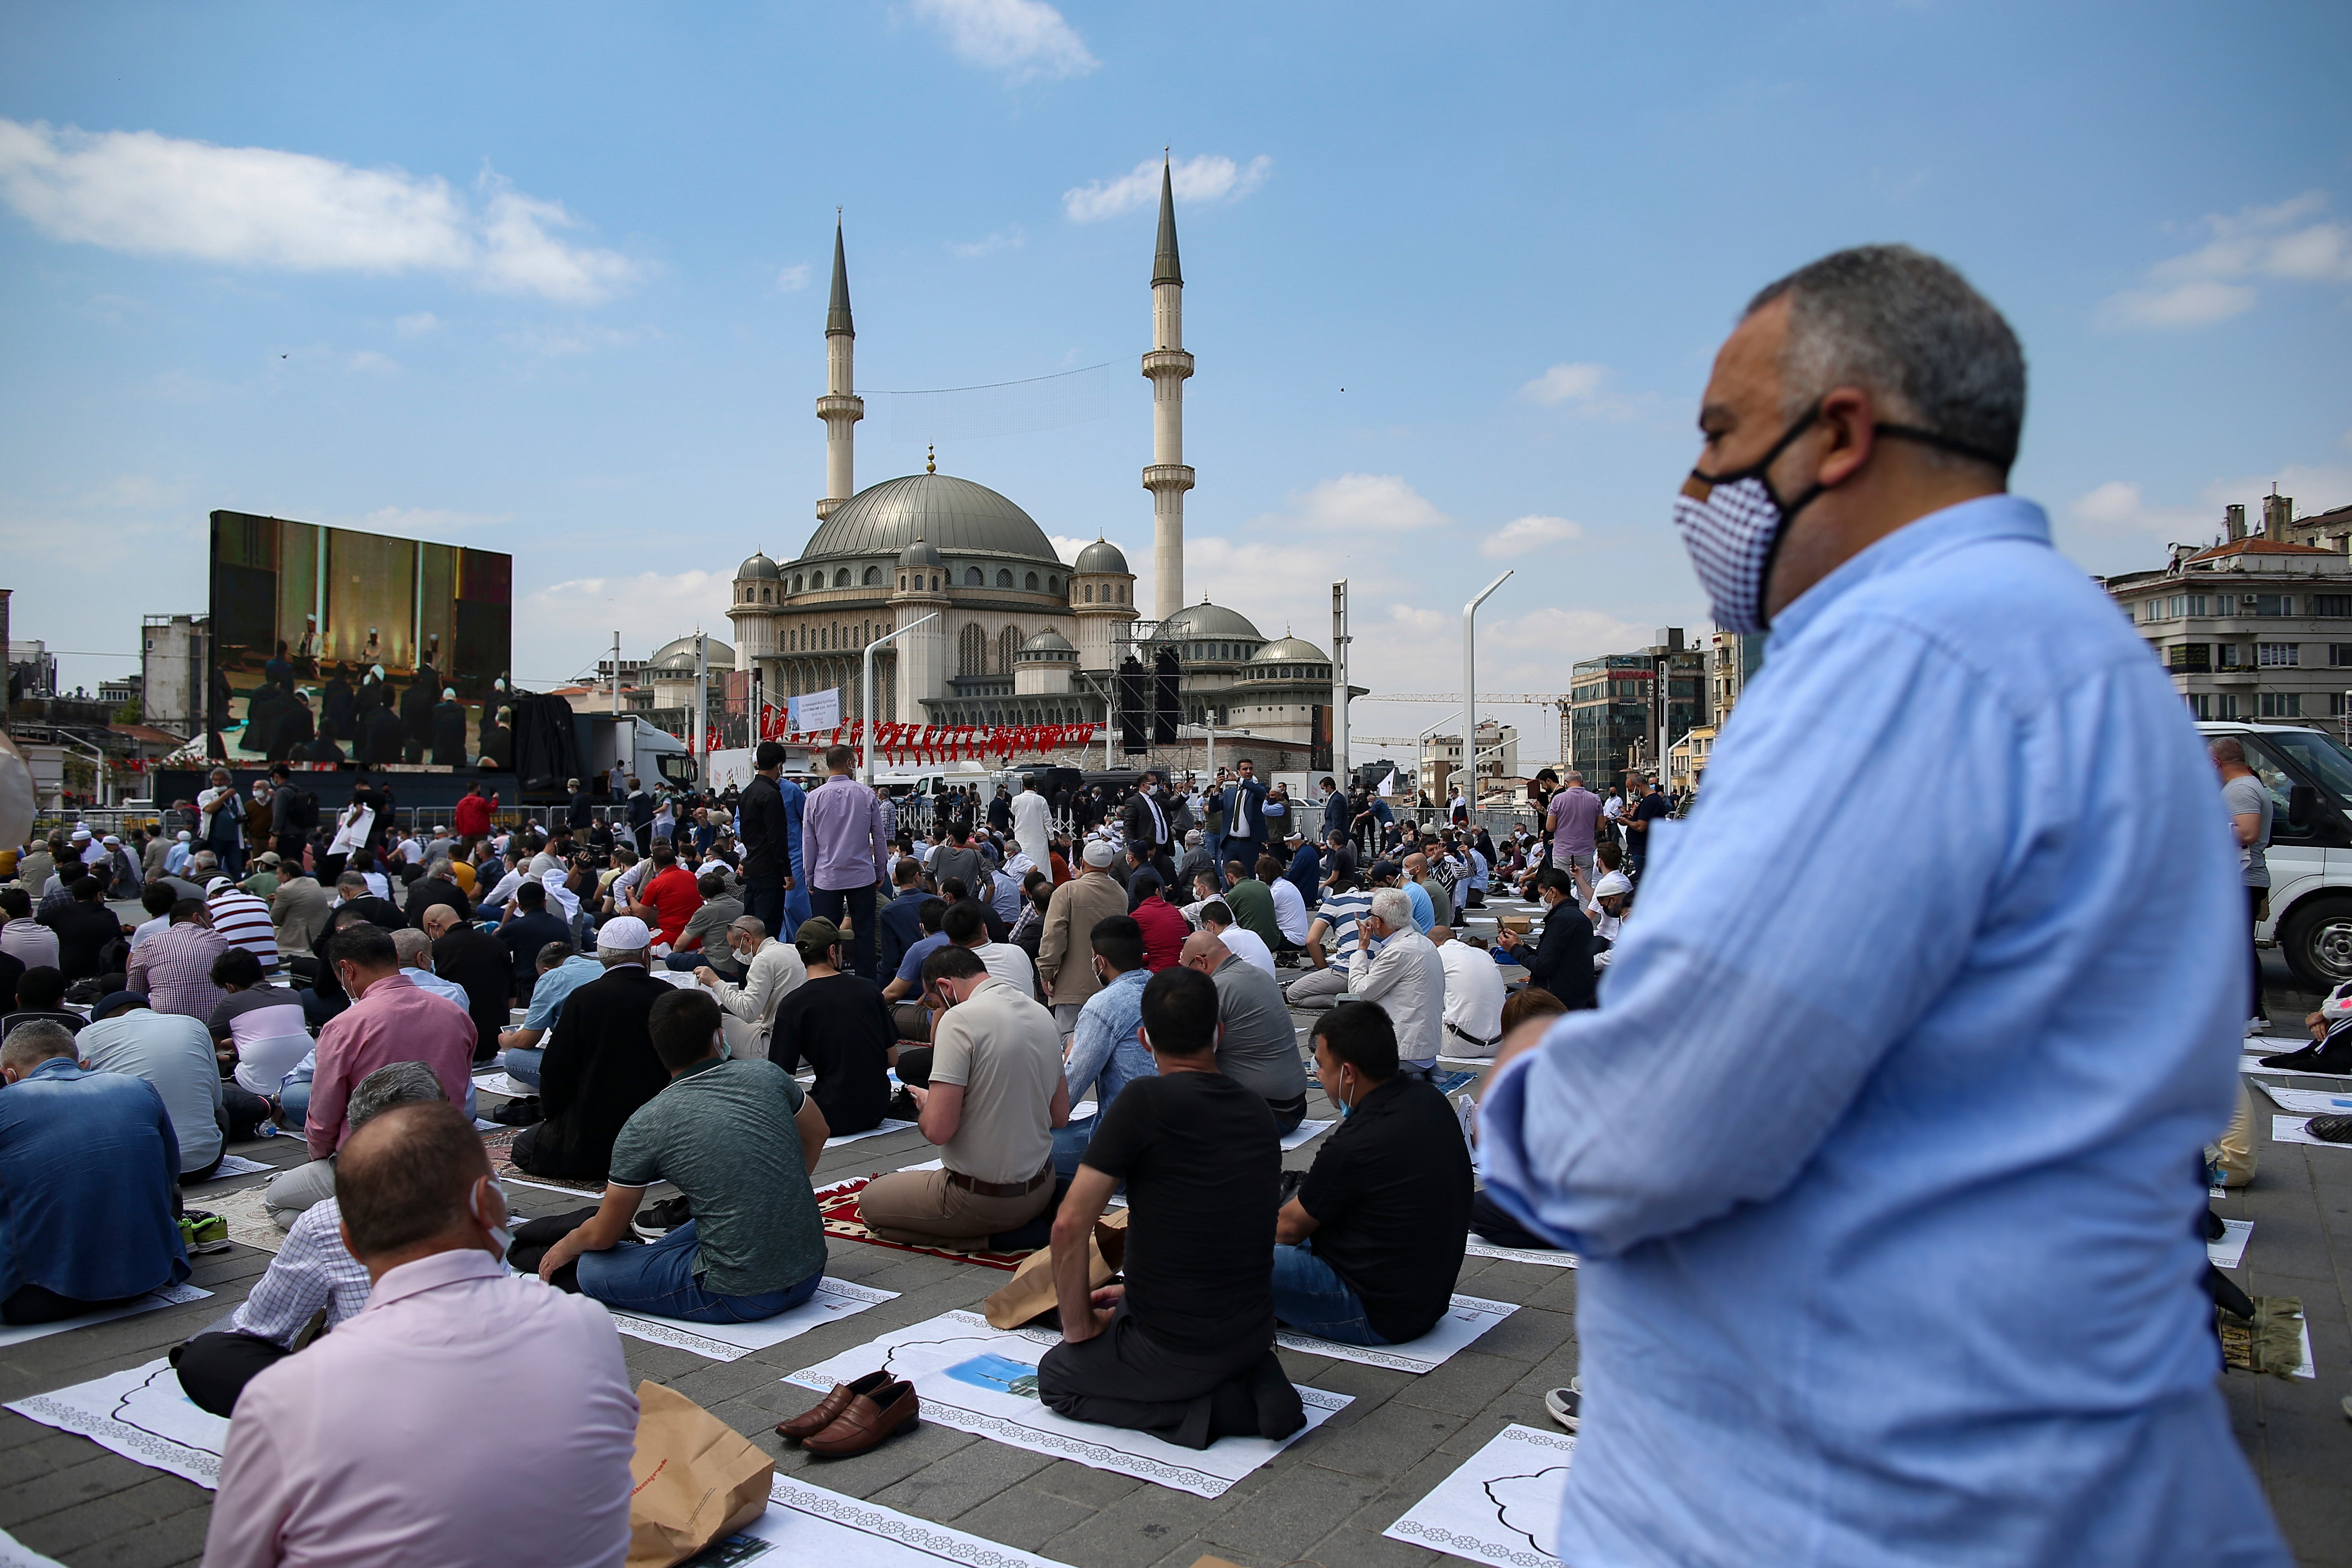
(1102, 555)
(921, 552)
(1048, 644)
(759, 568)
(1207, 620)
(1289, 649)
(678, 654)
(948, 512)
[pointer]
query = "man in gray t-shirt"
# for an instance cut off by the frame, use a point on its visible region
(957, 859)
(1259, 1045)
(2249, 804)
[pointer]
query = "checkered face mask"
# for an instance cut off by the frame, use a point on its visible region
(1731, 524)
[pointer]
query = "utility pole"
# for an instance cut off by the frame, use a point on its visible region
(701, 709)
(1470, 685)
(1340, 640)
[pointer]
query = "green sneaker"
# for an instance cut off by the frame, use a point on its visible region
(203, 1231)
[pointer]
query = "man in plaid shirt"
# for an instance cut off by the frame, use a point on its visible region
(174, 968)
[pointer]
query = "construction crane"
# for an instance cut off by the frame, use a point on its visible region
(1518, 698)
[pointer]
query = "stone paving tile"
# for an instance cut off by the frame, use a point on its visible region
(1368, 1548)
(1022, 1517)
(1082, 1484)
(946, 1491)
(1298, 1505)
(1146, 1526)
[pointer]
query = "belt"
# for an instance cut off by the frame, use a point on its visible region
(1000, 1189)
(1467, 1035)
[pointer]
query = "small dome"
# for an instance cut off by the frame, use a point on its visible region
(759, 568)
(1045, 643)
(921, 552)
(1102, 555)
(1207, 620)
(1287, 649)
(679, 655)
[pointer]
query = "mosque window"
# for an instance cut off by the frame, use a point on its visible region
(971, 651)
(973, 578)
(796, 585)
(873, 576)
(1123, 592)
(935, 582)
(1054, 586)
(902, 582)
(1090, 592)
(1003, 578)
(767, 596)
(1030, 581)
(841, 578)
(1008, 643)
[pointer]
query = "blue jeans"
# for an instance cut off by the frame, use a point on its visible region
(1310, 1297)
(522, 1065)
(1070, 1144)
(294, 1104)
(659, 1279)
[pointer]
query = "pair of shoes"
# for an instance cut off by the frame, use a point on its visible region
(1566, 1405)
(856, 1417)
(656, 1220)
(201, 1230)
(2257, 1025)
(523, 1111)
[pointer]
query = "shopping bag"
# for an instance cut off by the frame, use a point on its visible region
(692, 1480)
(1031, 1290)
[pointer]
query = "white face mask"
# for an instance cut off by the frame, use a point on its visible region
(499, 1233)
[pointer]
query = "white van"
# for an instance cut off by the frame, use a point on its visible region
(2309, 774)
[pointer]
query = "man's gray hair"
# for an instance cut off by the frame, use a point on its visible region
(394, 1083)
(1574, 777)
(352, 879)
(36, 1040)
(1910, 329)
(1392, 907)
(412, 945)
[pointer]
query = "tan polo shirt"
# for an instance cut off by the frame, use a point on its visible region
(1003, 1051)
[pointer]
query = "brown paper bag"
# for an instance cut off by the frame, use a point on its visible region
(693, 1479)
(1031, 1290)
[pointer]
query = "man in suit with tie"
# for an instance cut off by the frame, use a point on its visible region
(1243, 801)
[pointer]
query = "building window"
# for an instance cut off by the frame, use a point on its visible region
(2275, 655)
(766, 596)
(1003, 578)
(2271, 604)
(2331, 605)
(1123, 592)
(2282, 705)
(971, 651)
(2225, 705)
(935, 582)
(1008, 643)
(1090, 592)
(1030, 581)
(840, 577)
(973, 578)
(902, 582)
(2339, 653)
(2189, 656)
(2336, 705)
(1054, 586)
(873, 576)
(2230, 655)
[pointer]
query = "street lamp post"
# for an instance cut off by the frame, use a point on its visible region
(1470, 681)
(866, 772)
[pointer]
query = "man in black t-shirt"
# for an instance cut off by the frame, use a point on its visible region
(839, 1024)
(1370, 1246)
(1184, 1349)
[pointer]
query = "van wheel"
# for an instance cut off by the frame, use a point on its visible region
(2316, 940)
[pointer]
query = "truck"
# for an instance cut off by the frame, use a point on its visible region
(652, 756)
(2308, 774)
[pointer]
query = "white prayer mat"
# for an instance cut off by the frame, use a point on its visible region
(1298, 1136)
(2254, 1064)
(1465, 1321)
(153, 1301)
(835, 1298)
(15, 1554)
(887, 1126)
(1502, 1505)
(499, 1083)
(239, 1165)
(2231, 1250)
(1480, 1247)
(983, 1381)
(2310, 1102)
(2289, 1130)
(248, 1219)
(813, 1525)
(140, 1414)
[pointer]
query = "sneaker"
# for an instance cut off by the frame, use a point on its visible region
(1566, 1406)
(2333, 1129)
(2257, 1026)
(201, 1231)
(902, 1106)
(657, 1220)
(1465, 1111)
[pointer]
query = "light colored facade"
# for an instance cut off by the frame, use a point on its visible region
(2255, 628)
(1498, 761)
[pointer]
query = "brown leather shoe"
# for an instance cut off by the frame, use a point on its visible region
(868, 1421)
(826, 1411)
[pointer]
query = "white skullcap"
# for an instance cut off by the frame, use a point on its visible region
(1098, 852)
(1614, 883)
(623, 933)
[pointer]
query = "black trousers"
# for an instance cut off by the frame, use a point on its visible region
(31, 1304)
(2254, 897)
(1123, 1377)
(1489, 1219)
(827, 904)
(914, 1066)
(215, 1368)
(1288, 1114)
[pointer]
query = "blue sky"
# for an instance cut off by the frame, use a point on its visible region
(551, 280)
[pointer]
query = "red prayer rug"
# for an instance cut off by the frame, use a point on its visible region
(838, 1205)
(500, 1147)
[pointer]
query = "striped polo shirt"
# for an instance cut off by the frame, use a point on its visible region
(243, 920)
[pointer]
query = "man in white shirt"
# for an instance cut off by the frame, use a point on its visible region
(1289, 908)
(24, 938)
(1406, 977)
(772, 971)
(1473, 997)
(965, 926)
(1217, 919)
(174, 1054)
(1033, 825)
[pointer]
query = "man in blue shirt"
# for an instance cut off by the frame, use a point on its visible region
(1883, 1192)
(88, 1177)
(562, 970)
(1107, 1053)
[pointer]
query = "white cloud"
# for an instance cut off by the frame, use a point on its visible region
(1522, 535)
(1021, 38)
(2216, 280)
(2119, 506)
(1361, 504)
(793, 279)
(1010, 238)
(1067, 545)
(1565, 384)
(568, 626)
(1197, 182)
(370, 361)
(149, 194)
(417, 325)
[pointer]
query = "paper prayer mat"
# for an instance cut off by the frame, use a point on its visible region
(1297, 1137)
(140, 1414)
(153, 1301)
(1481, 1247)
(1465, 1321)
(2231, 1250)
(1501, 1505)
(835, 1298)
(500, 1083)
(836, 1205)
(2290, 1129)
(813, 1525)
(983, 1381)
(887, 1126)
(2310, 1102)
(239, 1165)
(15, 1554)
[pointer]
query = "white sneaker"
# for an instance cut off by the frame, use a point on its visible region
(1465, 1111)
(1566, 1406)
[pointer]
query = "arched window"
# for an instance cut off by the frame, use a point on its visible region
(1054, 586)
(840, 577)
(1030, 581)
(935, 582)
(767, 596)
(1008, 643)
(971, 651)
(872, 575)
(796, 585)
(1003, 578)
(973, 578)
(902, 582)
(1123, 592)
(1090, 592)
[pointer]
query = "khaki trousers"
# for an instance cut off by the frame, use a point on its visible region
(922, 1208)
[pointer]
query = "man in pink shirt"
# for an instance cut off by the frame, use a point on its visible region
(1573, 812)
(368, 1450)
(389, 1020)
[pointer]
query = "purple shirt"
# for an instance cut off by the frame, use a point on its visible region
(843, 842)
(375, 1447)
(1573, 812)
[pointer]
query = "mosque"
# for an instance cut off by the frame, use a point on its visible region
(1021, 638)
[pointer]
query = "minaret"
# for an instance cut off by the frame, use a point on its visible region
(1166, 366)
(841, 408)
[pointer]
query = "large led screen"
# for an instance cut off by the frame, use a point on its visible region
(334, 646)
